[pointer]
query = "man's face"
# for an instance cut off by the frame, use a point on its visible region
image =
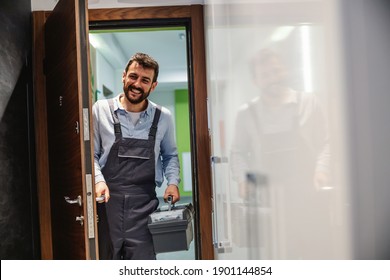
(271, 75)
(138, 83)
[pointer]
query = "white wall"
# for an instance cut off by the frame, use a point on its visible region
(48, 5)
(105, 76)
(366, 47)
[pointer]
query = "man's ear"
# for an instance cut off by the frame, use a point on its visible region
(123, 76)
(154, 84)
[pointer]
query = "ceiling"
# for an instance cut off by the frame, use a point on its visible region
(166, 45)
(47, 5)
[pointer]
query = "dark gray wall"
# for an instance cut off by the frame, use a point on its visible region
(366, 30)
(18, 201)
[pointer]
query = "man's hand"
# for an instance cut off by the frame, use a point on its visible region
(243, 190)
(321, 180)
(101, 188)
(172, 190)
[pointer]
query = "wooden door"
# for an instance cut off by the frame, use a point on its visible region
(192, 13)
(69, 133)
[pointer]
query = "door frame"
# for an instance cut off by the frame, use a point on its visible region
(198, 110)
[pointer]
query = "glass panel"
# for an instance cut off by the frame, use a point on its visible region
(273, 83)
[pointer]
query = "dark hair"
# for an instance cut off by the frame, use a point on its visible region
(146, 62)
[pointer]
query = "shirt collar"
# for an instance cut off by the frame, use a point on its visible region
(292, 97)
(117, 103)
(118, 106)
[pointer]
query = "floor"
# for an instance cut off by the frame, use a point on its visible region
(179, 255)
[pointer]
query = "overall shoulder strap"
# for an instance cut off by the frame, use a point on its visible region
(117, 125)
(153, 128)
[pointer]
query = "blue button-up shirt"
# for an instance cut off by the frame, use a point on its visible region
(166, 157)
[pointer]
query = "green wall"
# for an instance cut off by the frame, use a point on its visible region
(183, 139)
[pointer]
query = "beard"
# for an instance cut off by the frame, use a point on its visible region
(135, 98)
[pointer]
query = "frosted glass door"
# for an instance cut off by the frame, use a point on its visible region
(277, 130)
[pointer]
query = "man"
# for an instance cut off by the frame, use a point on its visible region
(134, 147)
(284, 133)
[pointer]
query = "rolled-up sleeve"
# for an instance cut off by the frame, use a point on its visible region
(97, 143)
(169, 154)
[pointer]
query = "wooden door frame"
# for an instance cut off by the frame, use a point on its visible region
(199, 121)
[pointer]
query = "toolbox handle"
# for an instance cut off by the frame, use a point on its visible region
(169, 200)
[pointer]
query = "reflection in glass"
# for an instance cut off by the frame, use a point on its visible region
(271, 87)
(282, 136)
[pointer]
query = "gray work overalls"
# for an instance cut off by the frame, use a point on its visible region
(130, 176)
(290, 167)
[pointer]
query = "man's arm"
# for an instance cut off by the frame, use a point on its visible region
(170, 161)
(320, 133)
(101, 187)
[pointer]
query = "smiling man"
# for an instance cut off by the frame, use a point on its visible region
(134, 148)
